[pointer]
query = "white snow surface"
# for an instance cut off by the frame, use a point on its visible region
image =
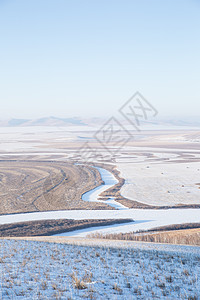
(42, 270)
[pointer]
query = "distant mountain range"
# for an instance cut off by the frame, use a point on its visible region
(75, 121)
(48, 121)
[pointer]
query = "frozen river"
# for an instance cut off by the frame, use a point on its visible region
(144, 218)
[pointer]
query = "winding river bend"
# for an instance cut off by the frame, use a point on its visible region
(144, 219)
(109, 180)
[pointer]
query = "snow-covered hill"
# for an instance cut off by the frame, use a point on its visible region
(42, 270)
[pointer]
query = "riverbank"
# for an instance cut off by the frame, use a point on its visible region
(115, 192)
(144, 219)
(54, 227)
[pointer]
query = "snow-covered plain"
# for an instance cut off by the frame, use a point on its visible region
(160, 183)
(67, 271)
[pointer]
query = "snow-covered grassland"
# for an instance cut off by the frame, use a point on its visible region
(42, 270)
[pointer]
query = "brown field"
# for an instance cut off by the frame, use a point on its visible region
(33, 185)
(30, 186)
(52, 227)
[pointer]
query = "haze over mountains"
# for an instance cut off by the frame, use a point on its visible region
(95, 121)
(47, 121)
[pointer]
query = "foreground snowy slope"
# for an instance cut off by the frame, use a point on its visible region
(42, 270)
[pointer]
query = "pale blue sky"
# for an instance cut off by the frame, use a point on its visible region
(87, 57)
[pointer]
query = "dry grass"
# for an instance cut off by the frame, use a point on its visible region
(27, 186)
(65, 269)
(186, 237)
(51, 227)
